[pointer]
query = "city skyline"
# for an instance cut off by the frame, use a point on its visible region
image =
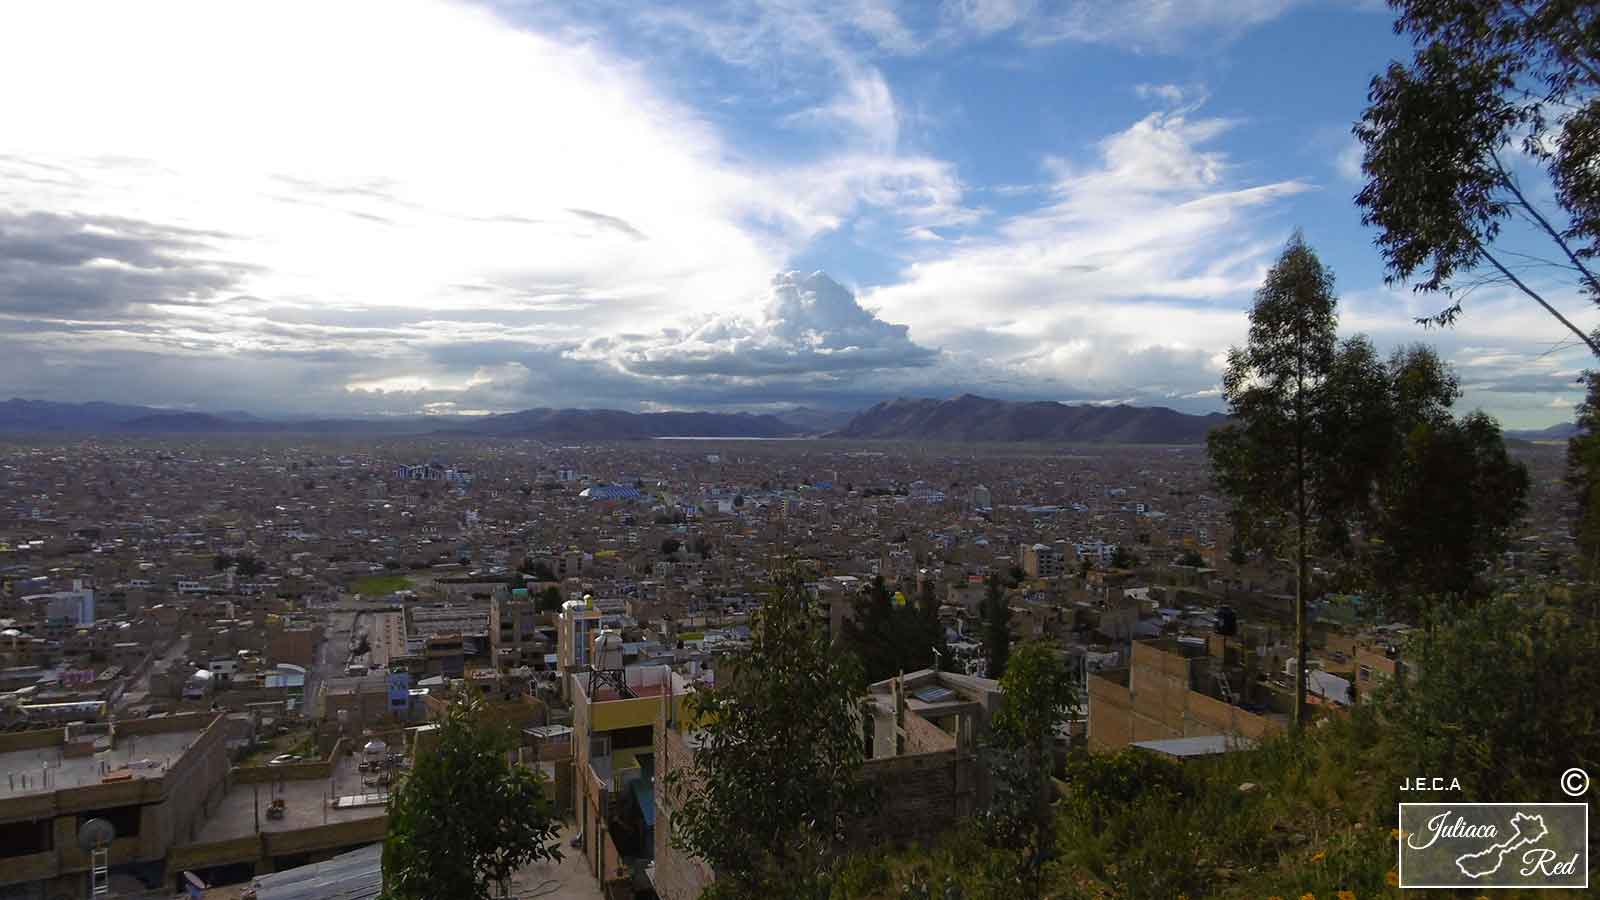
(440, 207)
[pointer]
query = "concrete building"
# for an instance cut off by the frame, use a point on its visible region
(514, 638)
(1180, 688)
(152, 779)
(614, 713)
(1044, 561)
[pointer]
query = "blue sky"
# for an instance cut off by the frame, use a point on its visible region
(443, 207)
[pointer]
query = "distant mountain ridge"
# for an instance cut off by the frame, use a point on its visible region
(1558, 432)
(610, 424)
(973, 418)
(40, 416)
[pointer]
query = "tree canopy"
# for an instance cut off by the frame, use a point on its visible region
(790, 702)
(889, 637)
(1497, 92)
(996, 628)
(466, 818)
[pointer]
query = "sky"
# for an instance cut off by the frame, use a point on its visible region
(417, 206)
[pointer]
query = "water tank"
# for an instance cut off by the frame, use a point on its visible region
(607, 650)
(571, 606)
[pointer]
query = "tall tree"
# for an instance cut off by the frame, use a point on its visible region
(996, 628)
(1487, 78)
(1039, 697)
(1270, 459)
(465, 819)
(791, 704)
(929, 628)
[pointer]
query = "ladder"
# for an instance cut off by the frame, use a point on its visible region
(1225, 688)
(100, 872)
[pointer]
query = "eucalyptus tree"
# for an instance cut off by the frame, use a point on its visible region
(1496, 91)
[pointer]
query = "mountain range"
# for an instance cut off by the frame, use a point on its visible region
(38, 416)
(1559, 432)
(973, 418)
(967, 418)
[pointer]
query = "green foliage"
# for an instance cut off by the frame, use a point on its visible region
(378, 585)
(1040, 696)
(891, 639)
(670, 546)
(465, 818)
(1277, 460)
(1447, 504)
(538, 569)
(996, 628)
(550, 599)
(789, 709)
(1504, 699)
(1123, 558)
(1486, 78)
(1191, 558)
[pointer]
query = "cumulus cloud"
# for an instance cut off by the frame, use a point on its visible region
(809, 324)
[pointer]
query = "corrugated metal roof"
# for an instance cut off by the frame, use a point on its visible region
(357, 875)
(1206, 745)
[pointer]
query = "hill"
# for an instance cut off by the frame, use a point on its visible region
(1559, 432)
(972, 418)
(35, 417)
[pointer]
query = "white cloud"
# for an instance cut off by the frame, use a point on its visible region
(1348, 162)
(1131, 281)
(1142, 25)
(809, 324)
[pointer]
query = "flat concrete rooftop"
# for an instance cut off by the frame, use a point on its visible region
(305, 804)
(46, 770)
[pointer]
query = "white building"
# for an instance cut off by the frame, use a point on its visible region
(75, 606)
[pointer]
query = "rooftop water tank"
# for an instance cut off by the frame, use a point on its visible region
(607, 650)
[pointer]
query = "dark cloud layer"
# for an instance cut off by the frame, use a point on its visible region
(70, 265)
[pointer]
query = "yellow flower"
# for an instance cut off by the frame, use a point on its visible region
(1275, 897)
(1308, 896)
(1393, 878)
(1346, 895)
(1319, 856)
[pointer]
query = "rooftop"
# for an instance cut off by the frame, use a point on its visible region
(47, 769)
(306, 804)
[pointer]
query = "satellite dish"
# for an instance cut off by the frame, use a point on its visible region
(96, 833)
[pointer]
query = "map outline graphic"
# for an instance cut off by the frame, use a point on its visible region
(1502, 849)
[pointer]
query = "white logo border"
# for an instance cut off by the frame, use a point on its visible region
(1400, 862)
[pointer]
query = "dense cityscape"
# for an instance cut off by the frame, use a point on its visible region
(799, 449)
(243, 613)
